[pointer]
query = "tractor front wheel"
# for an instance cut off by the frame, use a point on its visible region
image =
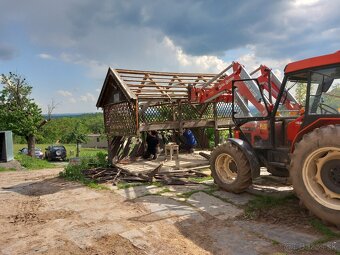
(315, 172)
(230, 168)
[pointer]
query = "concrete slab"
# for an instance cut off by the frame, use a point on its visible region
(141, 238)
(185, 161)
(162, 208)
(237, 199)
(85, 236)
(234, 240)
(290, 238)
(214, 206)
(333, 245)
(138, 191)
(179, 189)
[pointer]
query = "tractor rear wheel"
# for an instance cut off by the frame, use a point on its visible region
(315, 172)
(230, 168)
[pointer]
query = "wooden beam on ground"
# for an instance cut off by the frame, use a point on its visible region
(186, 124)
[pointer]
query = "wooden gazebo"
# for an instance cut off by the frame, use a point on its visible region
(137, 101)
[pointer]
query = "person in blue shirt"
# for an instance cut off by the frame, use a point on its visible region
(190, 140)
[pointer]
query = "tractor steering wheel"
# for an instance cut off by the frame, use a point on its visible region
(326, 109)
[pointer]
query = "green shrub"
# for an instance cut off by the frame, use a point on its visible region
(100, 160)
(32, 162)
(74, 172)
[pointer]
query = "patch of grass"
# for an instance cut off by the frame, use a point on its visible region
(265, 202)
(126, 185)
(200, 179)
(211, 190)
(33, 163)
(274, 242)
(157, 184)
(188, 194)
(320, 227)
(4, 169)
(97, 186)
(74, 172)
(165, 190)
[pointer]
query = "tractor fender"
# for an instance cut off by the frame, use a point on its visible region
(250, 155)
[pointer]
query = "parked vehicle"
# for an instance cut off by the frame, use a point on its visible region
(55, 152)
(38, 152)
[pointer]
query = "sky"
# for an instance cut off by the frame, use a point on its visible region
(64, 48)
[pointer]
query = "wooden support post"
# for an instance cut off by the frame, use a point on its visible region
(180, 117)
(216, 132)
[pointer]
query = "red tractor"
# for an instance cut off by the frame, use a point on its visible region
(273, 131)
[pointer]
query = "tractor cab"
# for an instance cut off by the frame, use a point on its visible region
(289, 139)
(274, 130)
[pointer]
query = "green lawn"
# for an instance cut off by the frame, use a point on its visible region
(33, 163)
(70, 148)
(3, 169)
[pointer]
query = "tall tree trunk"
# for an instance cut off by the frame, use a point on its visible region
(31, 145)
(77, 154)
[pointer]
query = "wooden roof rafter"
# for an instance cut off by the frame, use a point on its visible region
(158, 87)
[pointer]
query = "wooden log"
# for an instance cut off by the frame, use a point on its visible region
(204, 155)
(116, 177)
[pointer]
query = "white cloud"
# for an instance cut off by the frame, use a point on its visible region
(97, 68)
(88, 97)
(300, 3)
(203, 63)
(64, 93)
(46, 56)
(72, 100)
(251, 62)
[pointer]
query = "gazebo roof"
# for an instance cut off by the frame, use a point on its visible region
(150, 86)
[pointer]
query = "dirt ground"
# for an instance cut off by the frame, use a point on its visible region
(44, 214)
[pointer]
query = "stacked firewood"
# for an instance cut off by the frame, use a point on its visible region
(117, 174)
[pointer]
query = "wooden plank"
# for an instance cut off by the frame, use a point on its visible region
(186, 124)
(140, 91)
(125, 71)
(184, 84)
(122, 83)
(197, 78)
(153, 85)
(126, 149)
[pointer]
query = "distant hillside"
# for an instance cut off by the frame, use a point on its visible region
(61, 125)
(71, 115)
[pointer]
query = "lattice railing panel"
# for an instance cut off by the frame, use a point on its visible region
(224, 110)
(120, 119)
(170, 112)
(157, 113)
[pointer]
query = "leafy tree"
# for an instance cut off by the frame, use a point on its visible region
(77, 135)
(19, 112)
(300, 93)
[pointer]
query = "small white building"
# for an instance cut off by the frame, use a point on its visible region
(95, 141)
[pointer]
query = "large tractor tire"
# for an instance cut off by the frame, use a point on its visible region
(230, 168)
(315, 172)
(278, 171)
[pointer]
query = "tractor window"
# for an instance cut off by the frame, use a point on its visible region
(294, 96)
(324, 96)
